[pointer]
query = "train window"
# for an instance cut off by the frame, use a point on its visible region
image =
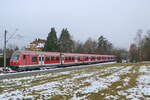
(57, 58)
(39, 58)
(73, 58)
(78, 58)
(69, 58)
(86, 58)
(34, 59)
(66, 58)
(52, 58)
(93, 58)
(47, 58)
(24, 56)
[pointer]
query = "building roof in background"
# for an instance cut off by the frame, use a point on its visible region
(36, 45)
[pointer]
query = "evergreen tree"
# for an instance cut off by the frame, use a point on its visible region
(104, 46)
(146, 47)
(66, 43)
(51, 43)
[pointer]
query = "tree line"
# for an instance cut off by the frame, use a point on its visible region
(140, 49)
(65, 43)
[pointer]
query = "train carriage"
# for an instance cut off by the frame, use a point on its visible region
(25, 60)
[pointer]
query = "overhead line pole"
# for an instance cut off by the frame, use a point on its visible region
(5, 44)
(5, 34)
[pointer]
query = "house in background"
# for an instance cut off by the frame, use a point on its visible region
(36, 45)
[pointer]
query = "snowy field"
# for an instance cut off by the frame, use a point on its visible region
(106, 82)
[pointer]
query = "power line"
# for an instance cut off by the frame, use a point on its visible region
(11, 36)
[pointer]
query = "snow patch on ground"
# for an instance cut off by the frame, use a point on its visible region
(100, 72)
(49, 88)
(98, 83)
(67, 84)
(14, 95)
(142, 90)
(112, 97)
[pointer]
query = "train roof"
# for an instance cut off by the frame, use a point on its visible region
(58, 53)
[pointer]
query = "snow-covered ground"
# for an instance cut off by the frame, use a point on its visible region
(142, 89)
(100, 82)
(1, 71)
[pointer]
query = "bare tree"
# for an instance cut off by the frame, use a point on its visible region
(78, 47)
(133, 53)
(90, 46)
(138, 41)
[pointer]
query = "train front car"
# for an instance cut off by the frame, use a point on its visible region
(25, 60)
(15, 60)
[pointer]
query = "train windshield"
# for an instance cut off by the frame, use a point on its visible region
(15, 57)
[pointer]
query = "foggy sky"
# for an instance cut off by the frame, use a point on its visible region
(117, 20)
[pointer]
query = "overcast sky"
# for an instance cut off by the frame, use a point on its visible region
(117, 20)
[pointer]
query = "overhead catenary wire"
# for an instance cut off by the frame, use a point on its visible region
(11, 36)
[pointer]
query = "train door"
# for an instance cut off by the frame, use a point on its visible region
(25, 60)
(76, 59)
(41, 59)
(62, 59)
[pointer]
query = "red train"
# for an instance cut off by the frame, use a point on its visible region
(25, 60)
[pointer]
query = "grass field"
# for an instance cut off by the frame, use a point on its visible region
(106, 82)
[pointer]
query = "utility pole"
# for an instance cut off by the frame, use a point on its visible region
(5, 44)
(5, 34)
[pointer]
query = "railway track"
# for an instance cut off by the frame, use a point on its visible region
(28, 73)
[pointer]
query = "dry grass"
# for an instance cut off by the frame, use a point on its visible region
(69, 85)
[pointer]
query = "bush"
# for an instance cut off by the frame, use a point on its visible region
(2, 61)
